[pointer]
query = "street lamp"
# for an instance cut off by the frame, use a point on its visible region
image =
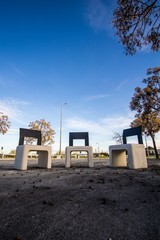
(98, 149)
(61, 113)
(1, 147)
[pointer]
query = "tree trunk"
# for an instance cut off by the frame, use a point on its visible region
(154, 145)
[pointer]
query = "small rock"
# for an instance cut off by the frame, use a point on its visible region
(97, 168)
(15, 196)
(18, 237)
(91, 180)
(103, 201)
(48, 203)
(101, 180)
(126, 209)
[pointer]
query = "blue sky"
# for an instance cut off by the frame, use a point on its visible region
(58, 51)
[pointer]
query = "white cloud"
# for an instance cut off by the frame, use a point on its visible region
(16, 111)
(2, 82)
(119, 87)
(13, 108)
(145, 49)
(101, 126)
(16, 69)
(5, 83)
(95, 97)
(77, 124)
(13, 131)
(100, 131)
(99, 14)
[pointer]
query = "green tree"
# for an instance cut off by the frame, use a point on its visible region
(150, 126)
(137, 24)
(147, 100)
(4, 124)
(46, 131)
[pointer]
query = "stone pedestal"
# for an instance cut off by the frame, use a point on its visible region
(44, 156)
(136, 156)
(70, 149)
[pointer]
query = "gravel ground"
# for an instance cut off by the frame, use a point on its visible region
(79, 203)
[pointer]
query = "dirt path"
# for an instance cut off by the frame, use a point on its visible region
(80, 203)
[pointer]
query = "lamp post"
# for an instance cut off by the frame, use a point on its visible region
(98, 149)
(1, 147)
(61, 114)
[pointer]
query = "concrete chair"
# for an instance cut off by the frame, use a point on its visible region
(44, 152)
(71, 148)
(136, 152)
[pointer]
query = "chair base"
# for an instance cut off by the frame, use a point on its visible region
(44, 156)
(70, 149)
(136, 156)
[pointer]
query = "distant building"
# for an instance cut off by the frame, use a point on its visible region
(150, 151)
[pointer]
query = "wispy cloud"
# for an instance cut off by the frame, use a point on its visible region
(100, 131)
(13, 108)
(13, 131)
(2, 82)
(99, 14)
(105, 126)
(145, 49)
(121, 85)
(95, 97)
(6, 83)
(17, 70)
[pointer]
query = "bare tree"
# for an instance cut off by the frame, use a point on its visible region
(117, 137)
(137, 24)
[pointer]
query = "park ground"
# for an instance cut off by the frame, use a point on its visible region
(79, 203)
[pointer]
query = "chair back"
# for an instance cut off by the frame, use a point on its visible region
(29, 133)
(132, 132)
(78, 135)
